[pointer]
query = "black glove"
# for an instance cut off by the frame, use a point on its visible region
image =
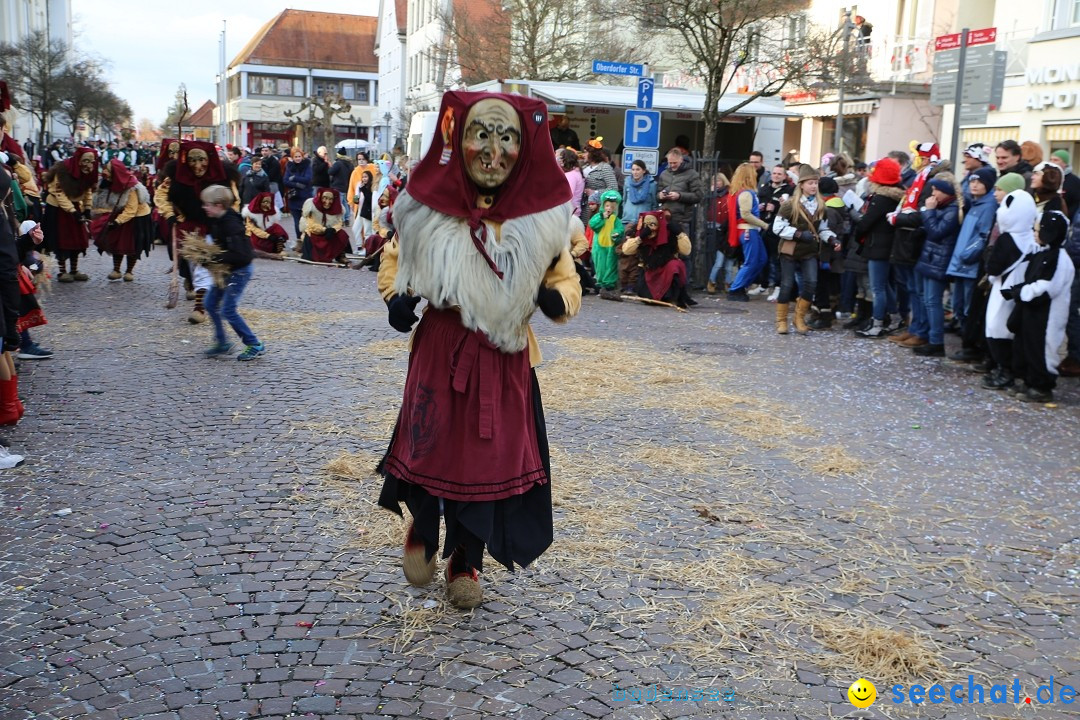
(550, 302)
(113, 223)
(403, 312)
(1011, 293)
(804, 236)
(86, 214)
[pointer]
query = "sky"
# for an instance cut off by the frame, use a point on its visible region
(152, 46)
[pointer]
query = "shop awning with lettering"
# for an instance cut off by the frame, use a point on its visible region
(832, 109)
(623, 97)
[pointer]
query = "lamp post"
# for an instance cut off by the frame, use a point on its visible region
(838, 139)
(387, 117)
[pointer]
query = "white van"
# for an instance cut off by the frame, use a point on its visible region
(352, 146)
(421, 131)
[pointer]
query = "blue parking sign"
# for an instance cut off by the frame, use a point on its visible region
(642, 129)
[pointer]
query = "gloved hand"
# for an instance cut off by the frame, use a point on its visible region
(86, 214)
(402, 310)
(550, 302)
(804, 236)
(113, 223)
(1010, 293)
(1027, 293)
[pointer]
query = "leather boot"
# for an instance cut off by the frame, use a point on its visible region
(860, 314)
(802, 306)
(18, 403)
(781, 318)
(710, 287)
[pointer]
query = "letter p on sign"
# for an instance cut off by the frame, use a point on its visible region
(642, 129)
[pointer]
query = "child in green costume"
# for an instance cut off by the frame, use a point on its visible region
(607, 233)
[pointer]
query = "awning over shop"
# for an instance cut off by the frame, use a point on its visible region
(989, 135)
(589, 95)
(832, 109)
(1063, 132)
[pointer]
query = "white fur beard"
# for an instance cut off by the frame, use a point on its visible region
(438, 260)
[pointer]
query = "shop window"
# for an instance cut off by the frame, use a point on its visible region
(1064, 14)
(299, 88)
(348, 91)
(361, 92)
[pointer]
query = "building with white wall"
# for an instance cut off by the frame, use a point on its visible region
(20, 18)
(390, 46)
(298, 55)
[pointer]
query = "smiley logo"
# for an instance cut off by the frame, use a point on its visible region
(862, 693)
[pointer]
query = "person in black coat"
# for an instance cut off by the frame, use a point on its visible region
(254, 182)
(236, 254)
(320, 168)
(340, 172)
(875, 233)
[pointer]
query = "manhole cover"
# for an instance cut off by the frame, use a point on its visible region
(716, 348)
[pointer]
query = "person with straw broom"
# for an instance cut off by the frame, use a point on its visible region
(482, 233)
(658, 245)
(196, 168)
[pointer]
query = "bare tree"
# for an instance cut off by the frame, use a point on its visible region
(530, 40)
(35, 68)
(176, 111)
(107, 112)
(724, 41)
(82, 87)
(320, 111)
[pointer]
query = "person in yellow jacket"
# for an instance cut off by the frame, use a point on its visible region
(123, 225)
(71, 185)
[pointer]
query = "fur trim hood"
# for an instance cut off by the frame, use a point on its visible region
(893, 192)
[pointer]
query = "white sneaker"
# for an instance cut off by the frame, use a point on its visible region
(757, 290)
(7, 460)
(775, 294)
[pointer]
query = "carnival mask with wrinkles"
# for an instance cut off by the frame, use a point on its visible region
(491, 142)
(198, 161)
(267, 204)
(650, 225)
(174, 150)
(327, 200)
(86, 164)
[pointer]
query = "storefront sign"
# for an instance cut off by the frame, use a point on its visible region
(1052, 75)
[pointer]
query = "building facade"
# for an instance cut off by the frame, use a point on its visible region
(1041, 98)
(390, 45)
(20, 18)
(297, 59)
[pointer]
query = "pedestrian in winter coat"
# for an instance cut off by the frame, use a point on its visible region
(320, 168)
(876, 234)
(340, 172)
(971, 240)
(680, 189)
(254, 182)
(941, 223)
(639, 194)
(298, 184)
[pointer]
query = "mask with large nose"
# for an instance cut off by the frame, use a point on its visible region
(491, 142)
(198, 161)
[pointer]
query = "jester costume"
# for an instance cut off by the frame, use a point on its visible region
(482, 235)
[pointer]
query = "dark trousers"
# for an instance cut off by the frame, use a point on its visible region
(1002, 353)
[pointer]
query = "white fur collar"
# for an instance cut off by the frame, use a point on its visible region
(438, 260)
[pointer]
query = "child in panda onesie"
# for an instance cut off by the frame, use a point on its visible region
(1005, 267)
(1042, 311)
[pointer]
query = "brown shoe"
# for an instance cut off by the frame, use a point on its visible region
(901, 338)
(419, 570)
(710, 287)
(1069, 368)
(914, 341)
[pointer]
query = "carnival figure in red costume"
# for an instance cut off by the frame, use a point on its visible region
(122, 227)
(482, 233)
(196, 168)
(71, 184)
(658, 245)
(322, 221)
(262, 222)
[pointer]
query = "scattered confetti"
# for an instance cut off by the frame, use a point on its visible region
(64, 513)
(304, 624)
(320, 683)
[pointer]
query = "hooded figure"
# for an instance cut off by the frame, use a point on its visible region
(658, 248)
(262, 222)
(71, 184)
(482, 233)
(1005, 267)
(1042, 310)
(321, 222)
(122, 226)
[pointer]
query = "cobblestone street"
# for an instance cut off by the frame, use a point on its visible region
(765, 518)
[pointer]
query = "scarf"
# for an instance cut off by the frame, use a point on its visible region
(637, 193)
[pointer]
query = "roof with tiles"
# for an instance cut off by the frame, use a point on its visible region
(307, 39)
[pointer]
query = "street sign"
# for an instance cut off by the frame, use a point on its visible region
(642, 129)
(979, 69)
(616, 68)
(1001, 62)
(945, 60)
(650, 157)
(982, 37)
(973, 114)
(644, 93)
(946, 42)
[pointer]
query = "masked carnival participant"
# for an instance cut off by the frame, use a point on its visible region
(322, 223)
(263, 224)
(482, 235)
(124, 225)
(658, 245)
(196, 167)
(71, 185)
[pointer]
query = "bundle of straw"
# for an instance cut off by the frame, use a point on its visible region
(198, 251)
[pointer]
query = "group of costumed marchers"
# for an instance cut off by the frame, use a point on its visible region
(322, 223)
(263, 224)
(122, 225)
(71, 183)
(482, 234)
(196, 167)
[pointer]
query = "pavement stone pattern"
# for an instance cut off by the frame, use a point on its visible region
(738, 499)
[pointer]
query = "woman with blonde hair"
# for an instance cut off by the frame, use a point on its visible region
(716, 218)
(744, 229)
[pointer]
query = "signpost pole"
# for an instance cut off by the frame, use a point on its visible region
(958, 100)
